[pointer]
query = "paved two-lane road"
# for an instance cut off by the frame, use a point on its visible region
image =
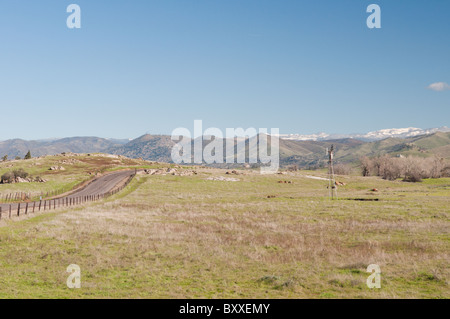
(98, 187)
(103, 184)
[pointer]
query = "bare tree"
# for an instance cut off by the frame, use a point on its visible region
(366, 166)
(412, 169)
(342, 169)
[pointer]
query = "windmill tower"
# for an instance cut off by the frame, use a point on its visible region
(332, 188)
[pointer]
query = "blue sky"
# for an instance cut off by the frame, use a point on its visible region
(150, 66)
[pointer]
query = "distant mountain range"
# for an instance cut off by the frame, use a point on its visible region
(19, 147)
(305, 153)
(349, 150)
(371, 136)
(294, 149)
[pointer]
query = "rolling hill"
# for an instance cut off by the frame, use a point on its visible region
(304, 154)
(19, 147)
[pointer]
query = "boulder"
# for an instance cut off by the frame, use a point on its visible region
(172, 171)
(22, 180)
(40, 180)
(223, 179)
(168, 171)
(57, 168)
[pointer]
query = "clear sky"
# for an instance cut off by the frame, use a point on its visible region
(151, 66)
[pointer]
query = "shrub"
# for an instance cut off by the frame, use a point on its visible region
(445, 171)
(7, 178)
(342, 169)
(390, 168)
(20, 173)
(366, 166)
(10, 177)
(413, 177)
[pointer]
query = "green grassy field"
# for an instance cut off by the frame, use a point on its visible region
(189, 237)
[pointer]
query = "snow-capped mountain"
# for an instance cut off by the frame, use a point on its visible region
(371, 136)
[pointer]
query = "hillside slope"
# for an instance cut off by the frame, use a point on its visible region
(19, 147)
(301, 153)
(149, 147)
(304, 153)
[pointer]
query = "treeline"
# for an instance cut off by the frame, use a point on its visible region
(27, 156)
(410, 169)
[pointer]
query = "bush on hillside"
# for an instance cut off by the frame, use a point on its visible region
(10, 177)
(20, 173)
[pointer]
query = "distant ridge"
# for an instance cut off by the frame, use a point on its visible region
(19, 147)
(303, 153)
(306, 153)
(371, 136)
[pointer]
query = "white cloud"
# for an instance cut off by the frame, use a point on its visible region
(439, 86)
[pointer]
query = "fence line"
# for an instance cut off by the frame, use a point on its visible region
(66, 201)
(22, 196)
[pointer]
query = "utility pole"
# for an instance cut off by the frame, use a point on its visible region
(331, 181)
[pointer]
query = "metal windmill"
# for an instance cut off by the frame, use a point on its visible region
(332, 188)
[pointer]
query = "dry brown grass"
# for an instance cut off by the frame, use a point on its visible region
(187, 237)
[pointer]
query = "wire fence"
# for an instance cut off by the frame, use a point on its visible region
(17, 197)
(53, 204)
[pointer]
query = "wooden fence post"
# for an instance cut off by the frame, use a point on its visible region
(40, 203)
(34, 206)
(18, 210)
(26, 209)
(9, 210)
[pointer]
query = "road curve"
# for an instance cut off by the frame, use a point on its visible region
(99, 187)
